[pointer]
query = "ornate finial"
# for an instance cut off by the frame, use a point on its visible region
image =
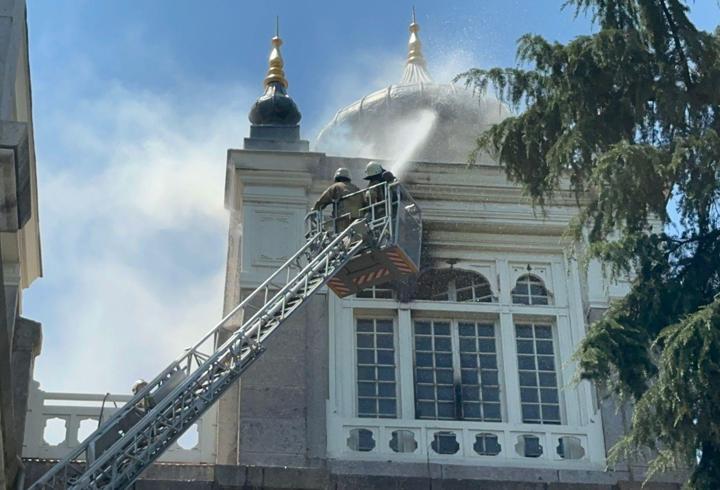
(415, 66)
(414, 47)
(275, 72)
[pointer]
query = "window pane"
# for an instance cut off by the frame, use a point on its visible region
(486, 330)
(530, 413)
(491, 394)
(529, 395)
(472, 411)
(366, 389)
(488, 361)
(551, 414)
(386, 357)
(468, 345)
(549, 395)
(423, 343)
(486, 345)
(444, 376)
(387, 390)
(422, 328)
(489, 377)
(469, 376)
(528, 378)
(424, 375)
(464, 295)
(491, 412)
(443, 344)
(446, 410)
(443, 360)
(365, 356)
(546, 363)
(365, 340)
(466, 329)
(544, 346)
(364, 325)
(387, 407)
(384, 341)
(470, 394)
(525, 347)
(526, 362)
(468, 361)
(424, 392)
(375, 360)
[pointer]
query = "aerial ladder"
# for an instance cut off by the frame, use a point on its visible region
(382, 244)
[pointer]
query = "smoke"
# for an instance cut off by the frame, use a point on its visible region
(412, 134)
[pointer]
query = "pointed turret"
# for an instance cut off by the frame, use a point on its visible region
(275, 117)
(415, 67)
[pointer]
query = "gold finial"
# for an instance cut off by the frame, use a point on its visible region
(415, 55)
(415, 71)
(275, 72)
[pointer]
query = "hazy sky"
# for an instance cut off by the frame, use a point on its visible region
(135, 106)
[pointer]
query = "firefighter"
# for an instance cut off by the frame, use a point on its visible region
(346, 209)
(375, 174)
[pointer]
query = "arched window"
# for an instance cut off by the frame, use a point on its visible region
(530, 290)
(454, 285)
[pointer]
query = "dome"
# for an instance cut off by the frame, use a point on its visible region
(416, 119)
(432, 121)
(275, 108)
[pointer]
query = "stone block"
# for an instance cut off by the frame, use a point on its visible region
(272, 435)
(270, 402)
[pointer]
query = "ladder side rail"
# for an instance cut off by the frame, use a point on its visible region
(183, 362)
(187, 389)
(250, 327)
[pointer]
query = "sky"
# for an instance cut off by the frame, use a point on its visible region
(135, 104)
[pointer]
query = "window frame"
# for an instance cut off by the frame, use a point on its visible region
(557, 360)
(454, 322)
(396, 359)
(528, 280)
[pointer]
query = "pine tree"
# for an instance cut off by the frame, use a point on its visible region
(631, 116)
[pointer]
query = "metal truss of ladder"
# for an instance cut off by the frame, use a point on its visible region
(140, 431)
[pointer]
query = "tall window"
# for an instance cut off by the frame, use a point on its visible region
(376, 384)
(530, 290)
(456, 383)
(454, 285)
(539, 398)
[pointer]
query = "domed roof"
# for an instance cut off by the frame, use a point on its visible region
(416, 119)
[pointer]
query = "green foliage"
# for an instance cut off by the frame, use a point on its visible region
(630, 116)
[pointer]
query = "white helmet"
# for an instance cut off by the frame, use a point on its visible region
(138, 385)
(342, 173)
(373, 168)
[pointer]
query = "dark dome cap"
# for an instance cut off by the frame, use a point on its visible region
(275, 108)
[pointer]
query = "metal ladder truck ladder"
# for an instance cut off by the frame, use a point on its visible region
(141, 430)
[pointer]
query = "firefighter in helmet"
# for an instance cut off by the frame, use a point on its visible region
(346, 209)
(375, 174)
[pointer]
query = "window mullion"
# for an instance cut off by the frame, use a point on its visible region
(455, 343)
(510, 369)
(406, 364)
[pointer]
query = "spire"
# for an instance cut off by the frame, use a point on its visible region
(275, 117)
(275, 73)
(415, 67)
